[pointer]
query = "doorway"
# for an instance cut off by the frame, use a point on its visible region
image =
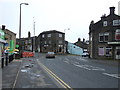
(117, 53)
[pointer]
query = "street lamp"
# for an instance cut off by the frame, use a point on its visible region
(64, 39)
(20, 19)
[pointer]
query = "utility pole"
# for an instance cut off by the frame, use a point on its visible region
(34, 35)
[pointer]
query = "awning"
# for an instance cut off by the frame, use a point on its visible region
(2, 41)
(114, 43)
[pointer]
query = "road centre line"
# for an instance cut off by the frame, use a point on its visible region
(60, 81)
(112, 75)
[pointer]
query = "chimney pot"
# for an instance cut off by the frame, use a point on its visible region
(3, 27)
(112, 10)
(29, 34)
(79, 39)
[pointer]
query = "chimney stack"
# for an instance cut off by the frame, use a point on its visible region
(3, 27)
(29, 35)
(112, 10)
(83, 40)
(79, 39)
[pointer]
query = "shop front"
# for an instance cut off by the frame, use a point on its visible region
(116, 48)
(2, 42)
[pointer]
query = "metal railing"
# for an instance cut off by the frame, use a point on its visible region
(5, 60)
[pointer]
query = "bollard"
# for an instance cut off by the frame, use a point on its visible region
(2, 62)
(9, 58)
(6, 62)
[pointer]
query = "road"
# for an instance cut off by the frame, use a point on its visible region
(63, 71)
(79, 72)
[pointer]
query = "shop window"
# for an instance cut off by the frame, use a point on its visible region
(117, 34)
(118, 51)
(101, 51)
(108, 51)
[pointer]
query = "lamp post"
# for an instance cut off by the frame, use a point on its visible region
(20, 19)
(64, 40)
(34, 35)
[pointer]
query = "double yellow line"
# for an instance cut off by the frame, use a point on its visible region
(61, 82)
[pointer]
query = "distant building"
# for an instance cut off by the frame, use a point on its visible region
(104, 37)
(82, 44)
(73, 49)
(2, 40)
(10, 38)
(51, 41)
(27, 43)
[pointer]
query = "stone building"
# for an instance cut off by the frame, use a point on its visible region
(28, 43)
(104, 37)
(51, 41)
(82, 44)
(10, 38)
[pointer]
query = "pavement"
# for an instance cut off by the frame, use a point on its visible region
(9, 73)
(25, 73)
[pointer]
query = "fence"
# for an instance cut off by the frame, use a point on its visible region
(6, 60)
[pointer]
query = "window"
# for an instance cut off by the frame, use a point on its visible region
(60, 35)
(105, 23)
(116, 22)
(45, 42)
(117, 34)
(108, 51)
(106, 36)
(49, 35)
(29, 41)
(101, 37)
(26, 42)
(43, 36)
(49, 42)
(101, 51)
(60, 41)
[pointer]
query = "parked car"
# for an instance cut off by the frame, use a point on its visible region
(85, 54)
(50, 55)
(16, 51)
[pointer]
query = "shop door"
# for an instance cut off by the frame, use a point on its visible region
(117, 53)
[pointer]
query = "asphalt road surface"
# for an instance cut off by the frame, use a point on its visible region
(80, 72)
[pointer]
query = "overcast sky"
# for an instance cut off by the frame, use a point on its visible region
(54, 15)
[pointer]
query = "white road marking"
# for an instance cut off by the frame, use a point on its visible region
(82, 59)
(67, 59)
(89, 67)
(76, 62)
(81, 66)
(66, 62)
(112, 75)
